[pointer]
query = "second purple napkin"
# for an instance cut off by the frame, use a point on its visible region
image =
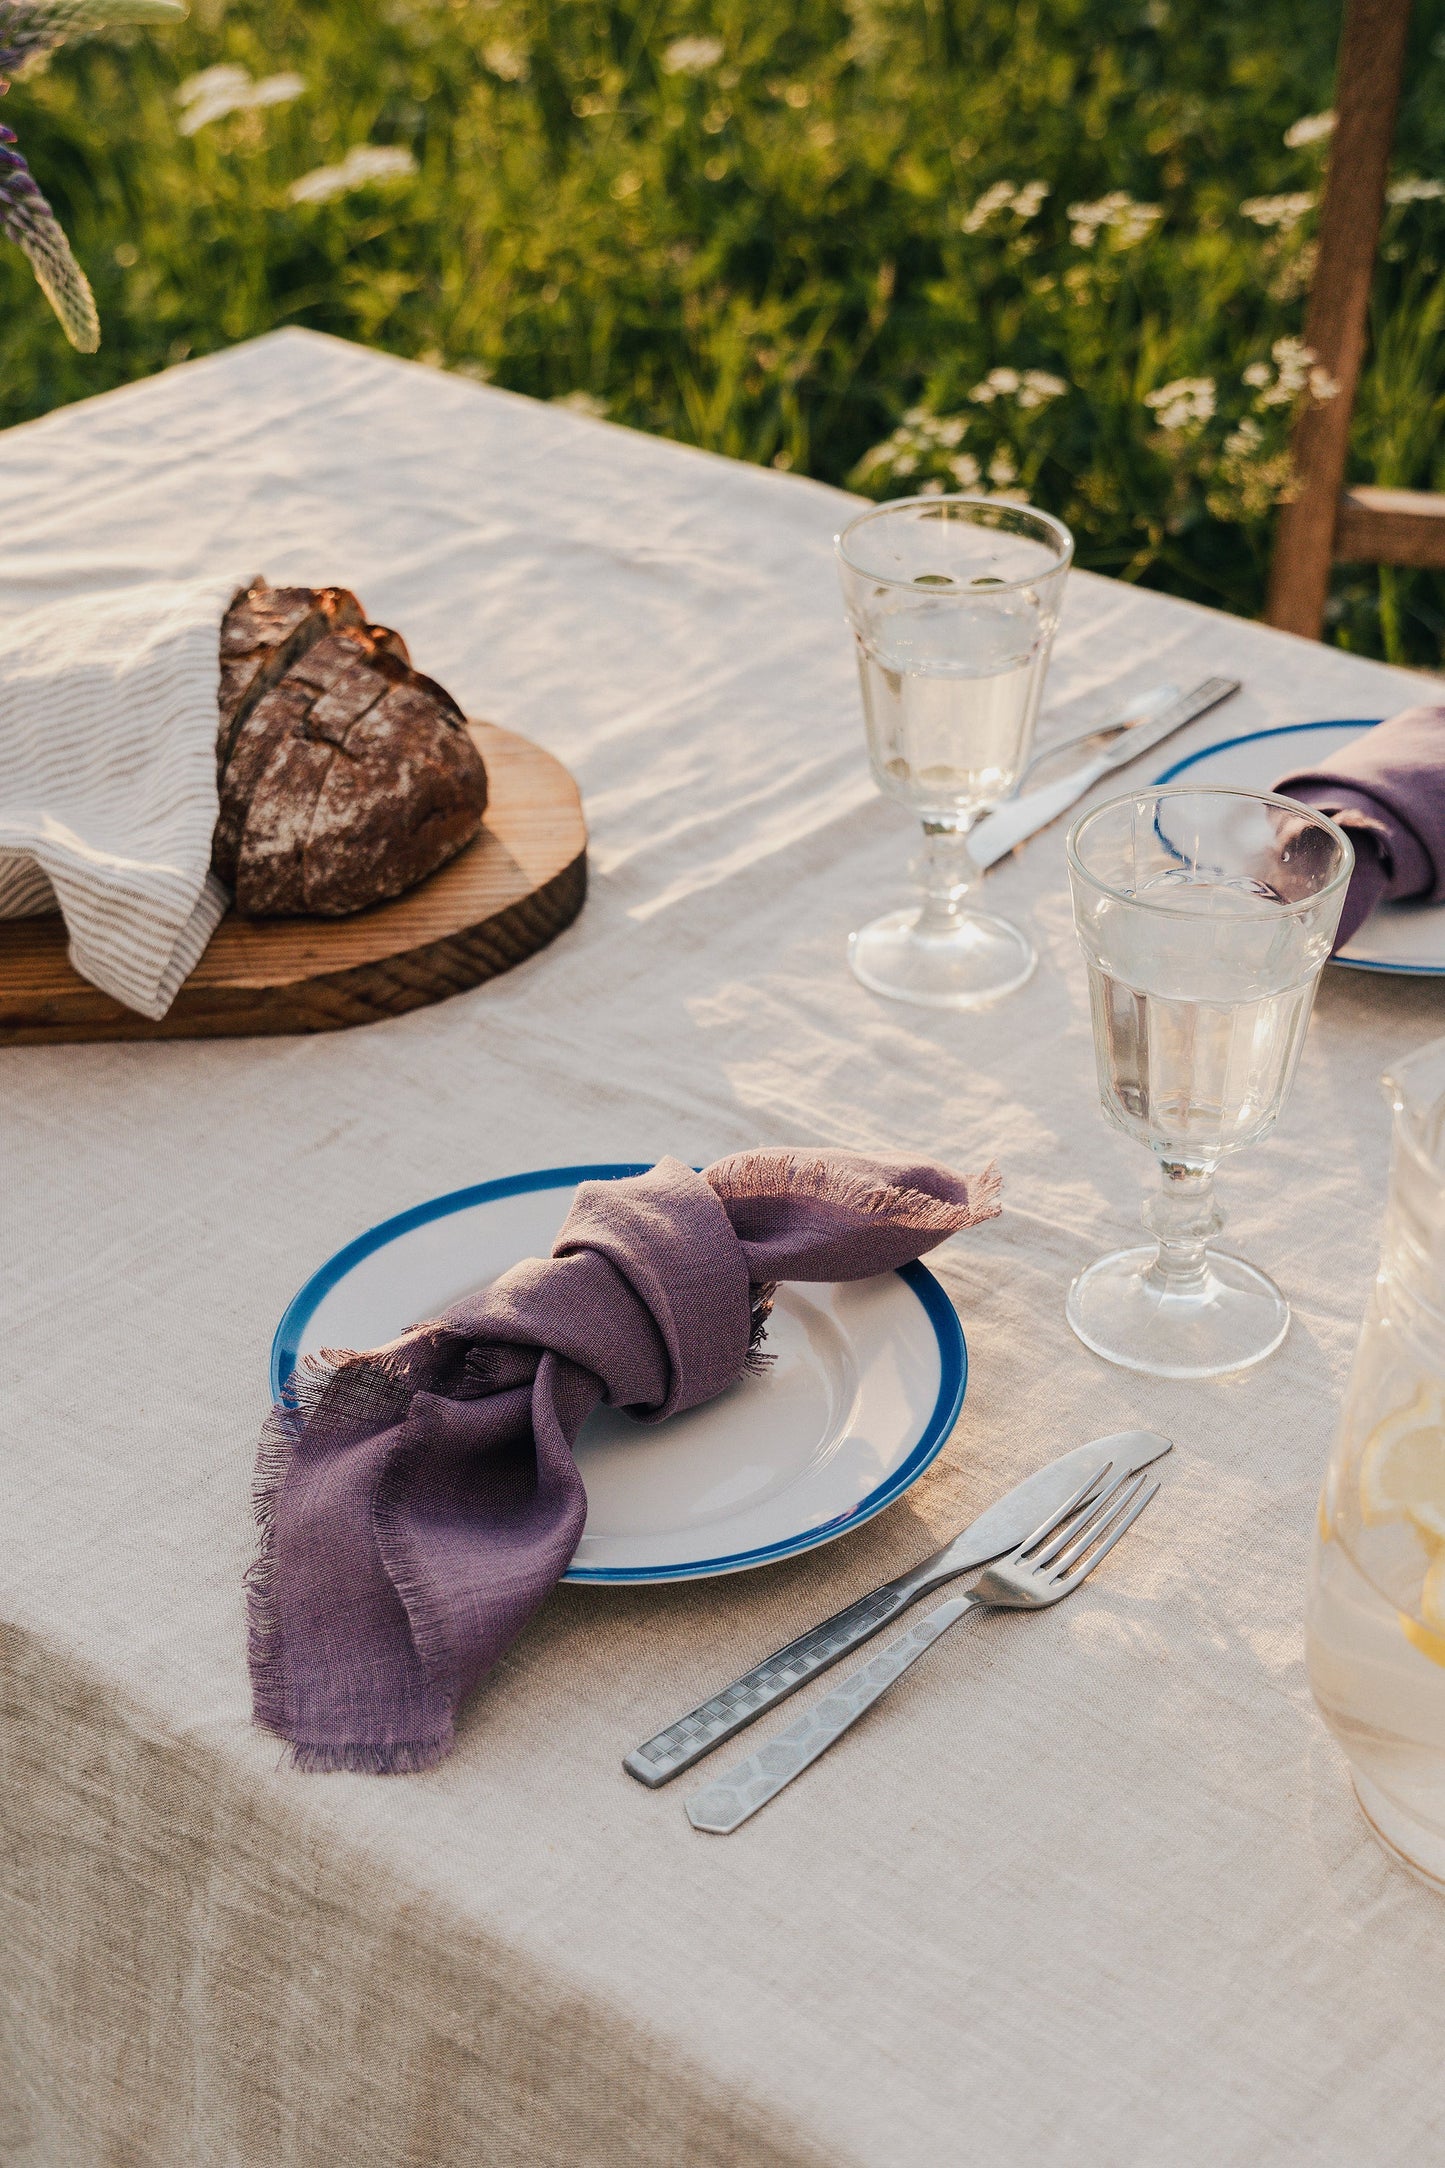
(1386, 789)
(417, 1502)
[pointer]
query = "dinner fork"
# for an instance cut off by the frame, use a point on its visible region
(1049, 1565)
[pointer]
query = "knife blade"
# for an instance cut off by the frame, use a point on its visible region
(1129, 715)
(1001, 1528)
(1018, 818)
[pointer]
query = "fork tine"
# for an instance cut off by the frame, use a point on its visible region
(1079, 1517)
(1073, 1569)
(1081, 1496)
(1099, 1525)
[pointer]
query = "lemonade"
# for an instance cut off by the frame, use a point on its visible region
(1377, 1598)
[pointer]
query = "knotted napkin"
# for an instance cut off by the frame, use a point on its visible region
(417, 1502)
(1386, 789)
(108, 778)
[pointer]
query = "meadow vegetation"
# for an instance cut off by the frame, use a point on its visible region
(1048, 247)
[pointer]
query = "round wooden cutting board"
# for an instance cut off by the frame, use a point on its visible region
(506, 896)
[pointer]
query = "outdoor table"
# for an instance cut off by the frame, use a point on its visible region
(1088, 1888)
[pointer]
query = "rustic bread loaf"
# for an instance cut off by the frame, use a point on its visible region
(263, 632)
(346, 776)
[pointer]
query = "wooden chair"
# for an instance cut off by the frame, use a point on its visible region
(1327, 522)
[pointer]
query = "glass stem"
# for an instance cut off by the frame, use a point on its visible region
(1184, 1218)
(946, 871)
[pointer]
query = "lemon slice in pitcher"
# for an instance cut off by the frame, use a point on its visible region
(1402, 1472)
(1432, 1602)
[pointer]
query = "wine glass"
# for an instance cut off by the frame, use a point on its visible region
(1205, 917)
(953, 603)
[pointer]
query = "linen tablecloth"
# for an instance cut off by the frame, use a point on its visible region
(1091, 1889)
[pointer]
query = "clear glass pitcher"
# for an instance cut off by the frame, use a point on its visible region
(1376, 1632)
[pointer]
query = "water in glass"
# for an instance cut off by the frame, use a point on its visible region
(1196, 1053)
(949, 701)
(953, 603)
(1204, 917)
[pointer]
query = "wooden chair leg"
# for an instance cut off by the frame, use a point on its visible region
(1367, 92)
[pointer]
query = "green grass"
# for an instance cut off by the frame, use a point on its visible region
(768, 254)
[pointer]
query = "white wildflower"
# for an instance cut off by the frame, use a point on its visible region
(1281, 212)
(1292, 353)
(1039, 387)
(998, 198)
(1313, 128)
(1245, 439)
(1323, 387)
(1117, 212)
(583, 402)
(506, 61)
(951, 433)
(1294, 360)
(1023, 202)
(692, 56)
(1412, 189)
(998, 381)
(215, 92)
(367, 162)
(1031, 389)
(965, 471)
(1294, 363)
(213, 83)
(931, 489)
(1187, 403)
(1001, 468)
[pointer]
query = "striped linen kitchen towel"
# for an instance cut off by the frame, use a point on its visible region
(108, 779)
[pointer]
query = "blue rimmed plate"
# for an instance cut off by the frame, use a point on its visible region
(867, 1383)
(1399, 936)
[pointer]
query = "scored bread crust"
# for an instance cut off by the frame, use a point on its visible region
(264, 630)
(348, 776)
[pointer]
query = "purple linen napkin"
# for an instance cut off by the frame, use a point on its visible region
(417, 1502)
(1386, 789)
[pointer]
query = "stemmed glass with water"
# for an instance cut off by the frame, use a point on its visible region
(953, 603)
(1205, 917)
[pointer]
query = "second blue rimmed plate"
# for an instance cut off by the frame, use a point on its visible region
(1408, 937)
(867, 1383)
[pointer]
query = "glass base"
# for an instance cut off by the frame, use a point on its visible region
(1229, 1316)
(976, 959)
(1420, 1849)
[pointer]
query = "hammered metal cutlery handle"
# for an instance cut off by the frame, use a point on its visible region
(669, 1752)
(725, 1805)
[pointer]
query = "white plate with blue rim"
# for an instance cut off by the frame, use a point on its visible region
(866, 1384)
(1407, 937)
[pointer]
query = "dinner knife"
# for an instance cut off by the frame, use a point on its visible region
(1001, 1528)
(1021, 817)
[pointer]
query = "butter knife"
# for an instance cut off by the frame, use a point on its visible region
(1001, 1528)
(1018, 818)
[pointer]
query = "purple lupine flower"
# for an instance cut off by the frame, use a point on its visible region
(28, 27)
(27, 219)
